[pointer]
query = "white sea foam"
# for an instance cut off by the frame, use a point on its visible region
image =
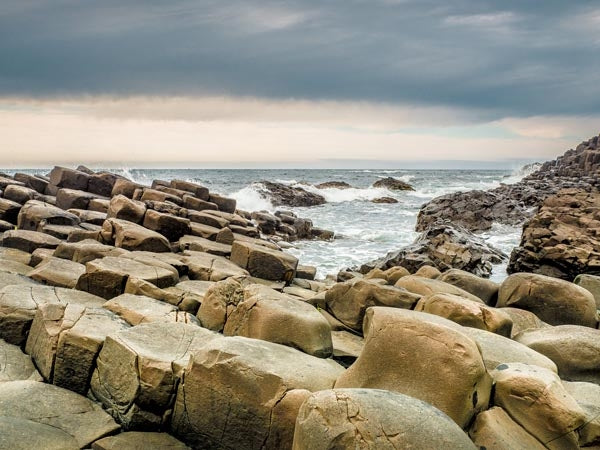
(335, 195)
(250, 199)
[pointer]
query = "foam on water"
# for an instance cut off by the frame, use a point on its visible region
(250, 199)
(335, 195)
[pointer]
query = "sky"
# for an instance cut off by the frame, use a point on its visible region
(298, 83)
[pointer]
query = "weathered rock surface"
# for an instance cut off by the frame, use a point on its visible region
(124, 208)
(554, 301)
(15, 365)
(129, 236)
(58, 272)
(430, 286)
(486, 290)
(65, 339)
(563, 239)
(349, 301)
(138, 371)
(35, 212)
(373, 419)
(536, 399)
(137, 309)
(207, 267)
(28, 241)
(58, 408)
(275, 317)
(19, 303)
(444, 246)
(587, 395)
(574, 349)
(283, 195)
(254, 395)
(592, 284)
(421, 356)
(495, 430)
(23, 434)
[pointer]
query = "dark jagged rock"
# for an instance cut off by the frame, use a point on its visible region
(563, 239)
(282, 195)
(393, 184)
(384, 200)
(514, 203)
(445, 246)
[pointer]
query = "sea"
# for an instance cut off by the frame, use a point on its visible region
(363, 230)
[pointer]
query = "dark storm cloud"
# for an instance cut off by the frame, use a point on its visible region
(502, 58)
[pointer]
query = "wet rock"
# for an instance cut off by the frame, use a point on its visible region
(554, 301)
(562, 239)
(283, 195)
(441, 365)
(374, 419)
(252, 400)
(393, 184)
(333, 185)
(138, 371)
(387, 200)
(77, 416)
(444, 246)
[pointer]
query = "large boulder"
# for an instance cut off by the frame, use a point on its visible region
(136, 309)
(138, 371)
(71, 198)
(219, 299)
(122, 207)
(42, 403)
(523, 320)
(495, 430)
(348, 301)
(262, 262)
(65, 339)
(107, 277)
(130, 236)
(275, 317)
(591, 283)
(466, 312)
(28, 241)
(86, 250)
(200, 244)
(554, 301)
(19, 303)
(445, 246)
(535, 398)
(23, 434)
(429, 359)
(35, 212)
(574, 349)
(373, 419)
(15, 365)
(9, 210)
(562, 239)
(20, 194)
(224, 204)
(393, 184)
(253, 396)
(198, 190)
(34, 182)
(125, 187)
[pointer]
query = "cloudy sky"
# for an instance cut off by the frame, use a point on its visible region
(207, 83)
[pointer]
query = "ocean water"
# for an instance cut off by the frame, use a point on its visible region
(364, 230)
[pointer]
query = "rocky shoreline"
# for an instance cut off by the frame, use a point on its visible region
(164, 317)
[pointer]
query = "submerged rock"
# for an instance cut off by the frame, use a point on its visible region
(444, 246)
(393, 184)
(333, 185)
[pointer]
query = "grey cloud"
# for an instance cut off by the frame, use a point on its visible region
(500, 58)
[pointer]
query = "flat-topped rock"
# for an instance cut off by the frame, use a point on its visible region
(264, 263)
(107, 277)
(58, 272)
(170, 226)
(58, 408)
(494, 429)
(64, 177)
(137, 309)
(207, 267)
(199, 244)
(19, 303)
(34, 212)
(139, 440)
(86, 250)
(138, 370)
(72, 198)
(28, 241)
